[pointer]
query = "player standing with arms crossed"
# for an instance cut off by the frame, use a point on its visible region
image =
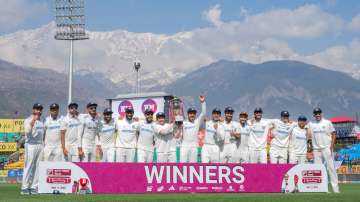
(214, 134)
(107, 136)
(190, 133)
(258, 136)
(70, 135)
(298, 142)
(241, 154)
(145, 143)
(165, 141)
(323, 137)
(52, 137)
(34, 136)
(230, 143)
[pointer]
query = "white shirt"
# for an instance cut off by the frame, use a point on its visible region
(244, 131)
(190, 137)
(164, 138)
(214, 136)
(321, 133)
(52, 132)
(107, 134)
(35, 134)
(72, 134)
(281, 132)
(146, 136)
(126, 133)
(89, 130)
(258, 134)
(228, 128)
(298, 141)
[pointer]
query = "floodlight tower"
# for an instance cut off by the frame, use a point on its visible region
(70, 23)
(137, 66)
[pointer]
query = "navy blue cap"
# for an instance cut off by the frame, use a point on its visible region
(129, 110)
(91, 104)
(216, 111)
(191, 110)
(229, 109)
(54, 106)
(73, 104)
(160, 114)
(302, 118)
(37, 106)
(148, 111)
(258, 110)
(284, 114)
(317, 110)
(107, 111)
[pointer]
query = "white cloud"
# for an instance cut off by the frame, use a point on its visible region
(213, 15)
(14, 13)
(355, 23)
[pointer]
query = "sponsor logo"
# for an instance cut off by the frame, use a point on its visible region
(202, 188)
(311, 176)
(172, 188)
(149, 188)
(217, 188)
(160, 189)
(230, 188)
(122, 106)
(149, 104)
(58, 176)
(184, 188)
(241, 188)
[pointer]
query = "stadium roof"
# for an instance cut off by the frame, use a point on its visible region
(141, 95)
(342, 119)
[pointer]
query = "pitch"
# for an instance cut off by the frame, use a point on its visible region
(349, 192)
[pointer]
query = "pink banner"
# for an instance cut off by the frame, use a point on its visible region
(172, 177)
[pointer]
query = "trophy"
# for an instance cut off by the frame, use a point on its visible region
(84, 189)
(296, 182)
(176, 110)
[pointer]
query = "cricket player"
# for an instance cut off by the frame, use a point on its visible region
(89, 131)
(34, 136)
(241, 155)
(107, 136)
(70, 135)
(323, 137)
(280, 134)
(52, 149)
(165, 141)
(258, 137)
(190, 133)
(214, 134)
(145, 144)
(230, 143)
(126, 138)
(298, 142)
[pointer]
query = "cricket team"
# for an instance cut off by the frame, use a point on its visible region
(80, 137)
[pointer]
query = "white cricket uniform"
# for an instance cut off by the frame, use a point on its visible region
(257, 141)
(321, 140)
(165, 143)
(190, 138)
(230, 144)
(89, 130)
(125, 142)
(72, 137)
(34, 137)
(279, 145)
(211, 148)
(298, 145)
(145, 144)
(52, 148)
(241, 154)
(107, 141)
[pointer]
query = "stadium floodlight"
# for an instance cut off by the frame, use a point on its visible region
(137, 66)
(70, 23)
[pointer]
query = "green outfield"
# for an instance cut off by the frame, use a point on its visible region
(349, 192)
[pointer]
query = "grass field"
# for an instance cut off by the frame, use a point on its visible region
(349, 192)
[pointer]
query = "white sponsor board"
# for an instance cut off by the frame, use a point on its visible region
(59, 177)
(138, 104)
(306, 178)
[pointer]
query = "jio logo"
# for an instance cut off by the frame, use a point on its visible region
(149, 104)
(122, 106)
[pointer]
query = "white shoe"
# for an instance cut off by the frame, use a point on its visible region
(25, 192)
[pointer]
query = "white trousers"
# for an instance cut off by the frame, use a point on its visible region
(323, 156)
(53, 154)
(33, 155)
(145, 156)
(73, 154)
(108, 155)
(89, 155)
(226, 155)
(258, 156)
(124, 155)
(297, 158)
(166, 157)
(241, 155)
(278, 155)
(210, 153)
(188, 154)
